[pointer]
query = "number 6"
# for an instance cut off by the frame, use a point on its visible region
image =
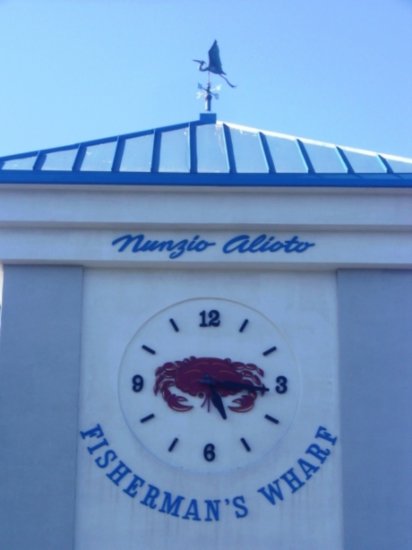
(209, 452)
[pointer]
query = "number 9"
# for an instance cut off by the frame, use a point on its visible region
(137, 383)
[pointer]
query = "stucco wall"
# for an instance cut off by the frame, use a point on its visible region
(39, 380)
(375, 329)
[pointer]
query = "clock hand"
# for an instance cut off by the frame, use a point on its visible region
(215, 397)
(218, 403)
(231, 385)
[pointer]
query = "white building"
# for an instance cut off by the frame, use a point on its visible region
(205, 342)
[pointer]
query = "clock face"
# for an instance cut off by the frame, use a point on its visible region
(209, 385)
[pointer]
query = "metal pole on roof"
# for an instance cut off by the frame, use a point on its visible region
(208, 93)
(208, 97)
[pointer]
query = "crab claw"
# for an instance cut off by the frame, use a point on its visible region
(176, 402)
(244, 403)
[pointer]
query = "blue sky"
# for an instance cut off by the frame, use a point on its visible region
(337, 71)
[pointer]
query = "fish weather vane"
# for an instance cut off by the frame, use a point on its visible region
(215, 67)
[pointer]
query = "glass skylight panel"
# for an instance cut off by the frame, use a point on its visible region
(247, 148)
(325, 158)
(364, 163)
(402, 166)
(22, 163)
(211, 149)
(60, 160)
(286, 155)
(99, 157)
(174, 151)
(137, 154)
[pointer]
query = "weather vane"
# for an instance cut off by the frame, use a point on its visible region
(215, 66)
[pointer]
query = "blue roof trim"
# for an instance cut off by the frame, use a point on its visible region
(345, 160)
(229, 149)
(156, 152)
(50, 177)
(101, 141)
(193, 148)
(306, 157)
(386, 164)
(79, 158)
(118, 155)
(38, 163)
(267, 153)
(106, 163)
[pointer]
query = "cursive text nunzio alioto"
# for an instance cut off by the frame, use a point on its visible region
(238, 244)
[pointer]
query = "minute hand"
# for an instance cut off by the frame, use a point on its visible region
(231, 385)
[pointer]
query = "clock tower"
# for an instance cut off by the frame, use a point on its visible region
(205, 341)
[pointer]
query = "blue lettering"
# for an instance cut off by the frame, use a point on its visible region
(150, 497)
(119, 473)
(179, 249)
(104, 461)
(292, 480)
(170, 506)
(192, 511)
(256, 244)
(290, 245)
(302, 247)
(176, 248)
(318, 452)
(238, 243)
(275, 246)
(193, 244)
(93, 432)
(102, 443)
(152, 246)
(262, 243)
(294, 245)
(154, 498)
(241, 509)
(266, 247)
(127, 240)
(324, 434)
(212, 509)
(307, 468)
(198, 246)
(134, 486)
(272, 491)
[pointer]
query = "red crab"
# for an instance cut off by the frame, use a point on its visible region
(209, 378)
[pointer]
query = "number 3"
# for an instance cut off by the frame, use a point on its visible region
(282, 384)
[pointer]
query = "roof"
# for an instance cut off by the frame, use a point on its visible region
(207, 152)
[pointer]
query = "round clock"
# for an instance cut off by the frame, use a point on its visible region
(209, 385)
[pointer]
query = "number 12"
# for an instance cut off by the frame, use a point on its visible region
(209, 318)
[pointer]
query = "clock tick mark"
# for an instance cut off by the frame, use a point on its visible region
(149, 350)
(173, 444)
(269, 351)
(244, 325)
(146, 418)
(174, 325)
(245, 444)
(271, 419)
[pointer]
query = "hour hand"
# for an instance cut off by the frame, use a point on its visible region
(215, 397)
(218, 403)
